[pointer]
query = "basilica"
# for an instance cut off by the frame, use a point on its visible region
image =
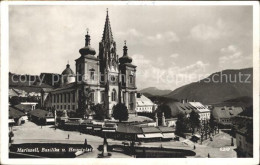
(99, 78)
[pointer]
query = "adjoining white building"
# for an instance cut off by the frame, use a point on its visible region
(144, 104)
(202, 110)
(187, 107)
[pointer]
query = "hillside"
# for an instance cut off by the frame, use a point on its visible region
(219, 87)
(153, 91)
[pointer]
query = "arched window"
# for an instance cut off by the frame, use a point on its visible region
(113, 95)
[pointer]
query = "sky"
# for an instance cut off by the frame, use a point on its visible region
(170, 45)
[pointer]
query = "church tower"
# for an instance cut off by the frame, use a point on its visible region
(109, 66)
(128, 81)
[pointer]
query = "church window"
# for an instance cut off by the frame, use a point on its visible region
(68, 106)
(92, 96)
(58, 99)
(113, 95)
(123, 79)
(68, 97)
(131, 79)
(92, 74)
(73, 97)
(65, 106)
(131, 97)
(65, 98)
(102, 96)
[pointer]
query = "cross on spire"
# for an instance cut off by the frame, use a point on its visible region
(87, 30)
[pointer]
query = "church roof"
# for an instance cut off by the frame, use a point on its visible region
(107, 33)
(67, 71)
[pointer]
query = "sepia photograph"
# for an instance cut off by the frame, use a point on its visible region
(131, 81)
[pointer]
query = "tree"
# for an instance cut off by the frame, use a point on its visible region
(15, 100)
(163, 108)
(212, 122)
(181, 124)
(194, 120)
(120, 112)
(85, 101)
(100, 111)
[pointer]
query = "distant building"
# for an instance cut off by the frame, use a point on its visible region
(224, 114)
(25, 108)
(202, 110)
(41, 116)
(16, 117)
(17, 92)
(244, 137)
(187, 107)
(144, 104)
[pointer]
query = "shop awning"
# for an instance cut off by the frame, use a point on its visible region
(153, 135)
(168, 135)
(50, 120)
(140, 136)
(97, 129)
(108, 130)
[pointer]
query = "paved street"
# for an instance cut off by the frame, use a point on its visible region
(30, 132)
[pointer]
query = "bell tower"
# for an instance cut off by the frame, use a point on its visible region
(109, 66)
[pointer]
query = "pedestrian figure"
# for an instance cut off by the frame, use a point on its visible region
(194, 147)
(68, 136)
(208, 155)
(41, 126)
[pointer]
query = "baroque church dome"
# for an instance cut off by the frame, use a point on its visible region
(87, 50)
(125, 58)
(67, 71)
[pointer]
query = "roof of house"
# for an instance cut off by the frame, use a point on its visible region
(24, 107)
(66, 86)
(200, 107)
(12, 92)
(125, 128)
(143, 101)
(133, 118)
(226, 112)
(15, 113)
(40, 113)
(150, 130)
(166, 129)
(187, 107)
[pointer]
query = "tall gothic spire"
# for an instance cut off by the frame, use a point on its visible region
(107, 33)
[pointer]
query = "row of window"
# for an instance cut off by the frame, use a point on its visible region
(63, 98)
(144, 108)
(65, 107)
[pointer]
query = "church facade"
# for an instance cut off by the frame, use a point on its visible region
(101, 78)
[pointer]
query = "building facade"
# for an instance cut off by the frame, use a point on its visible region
(102, 79)
(144, 104)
